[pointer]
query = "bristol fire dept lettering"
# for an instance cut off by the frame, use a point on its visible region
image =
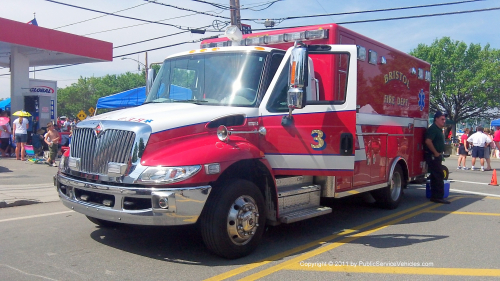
(396, 75)
(319, 137)
(393, 100)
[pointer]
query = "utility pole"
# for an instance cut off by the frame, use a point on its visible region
(235, 13)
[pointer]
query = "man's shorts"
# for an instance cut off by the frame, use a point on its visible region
(477, 152)
(21, 138)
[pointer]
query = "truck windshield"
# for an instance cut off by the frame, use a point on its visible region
(229, 79)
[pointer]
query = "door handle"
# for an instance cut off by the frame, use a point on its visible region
(346, 144)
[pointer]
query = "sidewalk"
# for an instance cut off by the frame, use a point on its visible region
(24, 182)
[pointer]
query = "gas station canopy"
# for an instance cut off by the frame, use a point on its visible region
(43, 46)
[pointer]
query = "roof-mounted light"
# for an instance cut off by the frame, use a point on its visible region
(316, 34)
(254, 41)
(296, 36)
(273, 39)
(268, 39)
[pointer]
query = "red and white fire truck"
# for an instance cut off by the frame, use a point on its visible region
(240, 134)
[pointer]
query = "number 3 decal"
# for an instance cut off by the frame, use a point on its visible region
(318, 137)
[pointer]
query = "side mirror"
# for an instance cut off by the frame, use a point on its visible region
(151, 78)
(298, 77)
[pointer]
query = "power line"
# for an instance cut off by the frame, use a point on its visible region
(269, 4)
(124, 27)
(124, 55)
(120, 16)
(351, 22)
(247, 7)
(219, 6)
(371, 11)
(397, 18)
(168, 35)
(100, 16)
(185, 9)
(155, 38)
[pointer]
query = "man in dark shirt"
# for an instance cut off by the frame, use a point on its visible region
(434, 142)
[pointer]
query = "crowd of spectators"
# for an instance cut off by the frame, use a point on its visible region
(62, 125)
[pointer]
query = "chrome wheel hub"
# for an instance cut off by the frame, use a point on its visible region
(395, 186)
(242, 220)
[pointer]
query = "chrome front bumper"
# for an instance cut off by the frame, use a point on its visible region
(132, 205)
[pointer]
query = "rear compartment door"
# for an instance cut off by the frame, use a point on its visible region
(320, 139)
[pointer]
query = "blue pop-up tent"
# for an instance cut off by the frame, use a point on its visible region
(129, 98)
(5, 104)
(495, 122)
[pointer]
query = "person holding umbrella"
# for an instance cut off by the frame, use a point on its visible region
(20, 129)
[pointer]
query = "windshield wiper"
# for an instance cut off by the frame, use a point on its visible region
(191, 101)
(157, 101)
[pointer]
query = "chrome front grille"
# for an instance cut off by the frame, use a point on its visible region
(96, 152)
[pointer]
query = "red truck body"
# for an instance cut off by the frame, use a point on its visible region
(223, 141)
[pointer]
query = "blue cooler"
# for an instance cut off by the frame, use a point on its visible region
(446, 189)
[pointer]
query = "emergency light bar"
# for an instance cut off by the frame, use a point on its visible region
(273, 39)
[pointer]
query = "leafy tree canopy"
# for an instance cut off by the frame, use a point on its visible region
(84, 94)
(465, 79)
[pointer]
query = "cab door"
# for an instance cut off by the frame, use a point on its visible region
(317, 139)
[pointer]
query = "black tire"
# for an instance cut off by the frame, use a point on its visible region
(446, 172)
(390, 196)
(233, 220)
(102, 223)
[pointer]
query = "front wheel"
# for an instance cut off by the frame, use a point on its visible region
(390, 196)
(233, 221)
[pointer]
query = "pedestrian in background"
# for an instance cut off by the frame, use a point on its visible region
(52, 139)
(479, 140)
(434, 147)
(5, 132)
(487, 149)
(463, 150)
(493, 145)
(496, 139)
(20, 129)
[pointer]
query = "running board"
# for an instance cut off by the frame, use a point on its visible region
(305, 214)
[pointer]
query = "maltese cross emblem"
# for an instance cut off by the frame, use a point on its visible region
(98, 129)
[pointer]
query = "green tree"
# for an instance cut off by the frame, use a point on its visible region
(465, 79)
(84, 94)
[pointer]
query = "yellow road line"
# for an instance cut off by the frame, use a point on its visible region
(401, 270)
(464, 213)
(480, 197)
(334, 245)
(304, 247)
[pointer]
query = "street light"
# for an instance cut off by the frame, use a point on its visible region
(138, 68)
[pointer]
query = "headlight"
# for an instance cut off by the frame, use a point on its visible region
(163, 175)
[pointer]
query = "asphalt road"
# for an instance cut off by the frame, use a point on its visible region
(419, 240)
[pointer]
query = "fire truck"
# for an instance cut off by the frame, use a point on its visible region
(250, 132)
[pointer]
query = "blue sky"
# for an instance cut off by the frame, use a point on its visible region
(405, 34)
